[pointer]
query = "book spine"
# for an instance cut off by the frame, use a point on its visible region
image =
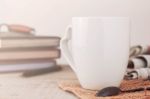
(17, 49)
(23, 43)
(22, 61)
(31, 38)
(0, 43)
(26, 67)
(34, 54)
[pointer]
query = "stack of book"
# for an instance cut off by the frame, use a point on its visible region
(26, 51)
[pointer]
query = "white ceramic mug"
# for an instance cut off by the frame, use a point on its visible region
(100, 50)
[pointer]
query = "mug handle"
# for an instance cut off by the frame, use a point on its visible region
(65, 49)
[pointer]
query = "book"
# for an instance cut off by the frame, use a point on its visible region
(26, 65)
(29, 53)
(22, 61)
(30, 41)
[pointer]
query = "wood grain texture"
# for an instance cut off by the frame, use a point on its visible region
(18, 86)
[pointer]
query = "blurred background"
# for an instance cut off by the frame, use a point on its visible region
(50, 17)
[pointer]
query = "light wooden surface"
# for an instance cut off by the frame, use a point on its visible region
(17, 86)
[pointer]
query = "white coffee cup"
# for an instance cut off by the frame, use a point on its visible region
(100, 50)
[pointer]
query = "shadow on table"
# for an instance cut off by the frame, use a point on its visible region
(32, 73)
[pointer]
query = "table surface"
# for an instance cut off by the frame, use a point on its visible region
(45, 86)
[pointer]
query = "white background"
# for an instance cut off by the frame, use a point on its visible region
(50, 17)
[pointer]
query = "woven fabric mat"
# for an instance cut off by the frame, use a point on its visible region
(74, 87)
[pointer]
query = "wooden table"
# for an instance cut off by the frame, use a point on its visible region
(18, 86)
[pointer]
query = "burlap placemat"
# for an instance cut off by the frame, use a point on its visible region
(74, 87)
